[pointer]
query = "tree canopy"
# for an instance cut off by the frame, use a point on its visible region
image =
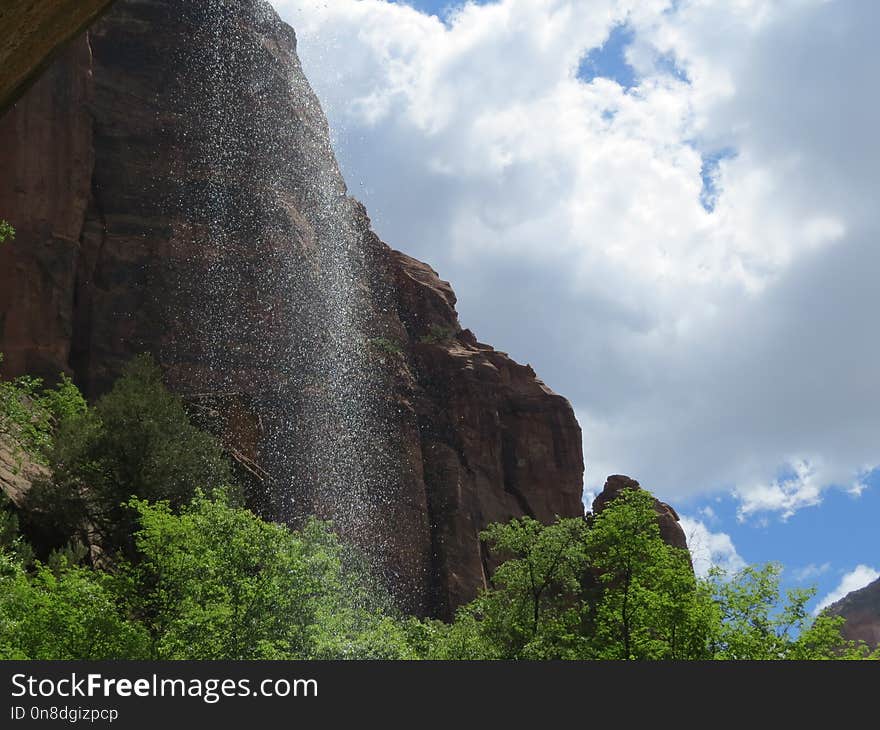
(188, 572)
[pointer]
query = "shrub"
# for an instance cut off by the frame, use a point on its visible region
(438, 335)
(7, 232)
(30, 413)
(136, 441)
(388, 346)
(216, 582)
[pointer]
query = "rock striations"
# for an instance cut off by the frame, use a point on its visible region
(174, 191)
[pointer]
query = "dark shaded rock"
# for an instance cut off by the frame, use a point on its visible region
(46, 156)
(861, 609)
(32, 32)
(174, 191)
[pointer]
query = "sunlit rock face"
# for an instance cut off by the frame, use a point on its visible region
(174, 191)
(861, 609)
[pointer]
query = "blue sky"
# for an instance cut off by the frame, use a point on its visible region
(832, 538)
(669, 210)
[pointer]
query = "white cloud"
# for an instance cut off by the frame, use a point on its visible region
(785, 496)
(701, 350)
(708, 513)
(808, 572)
(857, 578)
(710, 549)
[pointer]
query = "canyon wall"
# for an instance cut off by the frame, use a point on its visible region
(173, 189)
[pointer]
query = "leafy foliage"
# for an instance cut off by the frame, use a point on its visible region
(438, 334)
(136, 441)
(30, 413)
(534, 608)
(193, 575)
(68, 614)
(7, 232)
(649, 605)
(213, 582)
(613, 589)
(386, 345)
(758, 623)
(216, 582)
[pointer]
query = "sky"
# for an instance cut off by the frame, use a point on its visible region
(669, 209)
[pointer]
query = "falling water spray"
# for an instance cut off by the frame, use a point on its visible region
(274, 275)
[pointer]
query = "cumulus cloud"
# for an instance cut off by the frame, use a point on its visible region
(709, 341)
(710, 549)
(857, 578)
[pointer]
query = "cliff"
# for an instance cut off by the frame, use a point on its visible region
(33, 31)
(861, 609)
(174, 191)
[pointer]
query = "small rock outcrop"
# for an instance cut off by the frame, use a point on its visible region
(670, 529)
(18, 471)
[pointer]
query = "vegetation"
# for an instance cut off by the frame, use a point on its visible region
(438, 335)
(7, 232)
(615, 590)
(30, 413)
(177, 568)
(136, 441)
(386, 345)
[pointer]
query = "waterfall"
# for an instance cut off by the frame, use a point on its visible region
(272, 269)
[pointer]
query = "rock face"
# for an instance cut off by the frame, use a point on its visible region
(33, 31)
(861, 609)
(174, 191)
(18, 471)
(670, 529)
(496, 443)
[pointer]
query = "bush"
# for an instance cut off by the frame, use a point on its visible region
(438, 335)
(388, 346)
(7, 232)
(136, 441)
(216, 582)
(67, 614)
(612, 589)
(30, 413)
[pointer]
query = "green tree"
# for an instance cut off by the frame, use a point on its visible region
(758, 622)
(607, 589)
(649, 604)
(533, 608)
(66, 614)
(216, 582)
(30, 412)
(137, 441)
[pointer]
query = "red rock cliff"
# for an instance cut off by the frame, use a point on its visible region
(174, 191)
(861, 609)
